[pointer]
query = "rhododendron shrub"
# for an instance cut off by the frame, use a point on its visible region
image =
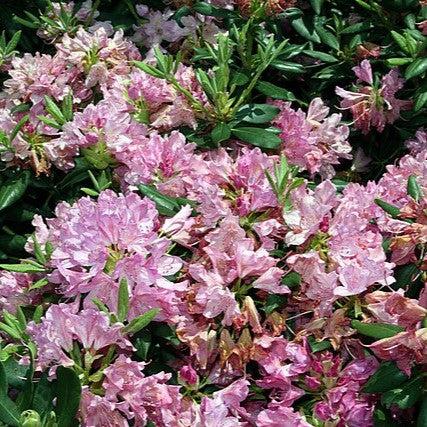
(213, 213)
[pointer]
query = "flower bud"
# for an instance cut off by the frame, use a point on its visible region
(30, 418)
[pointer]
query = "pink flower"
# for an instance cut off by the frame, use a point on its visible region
(98, 411)
(313, 141)
(63, 324)
(309, 209)
(418, 143)
(158, 27)
(97, 55)
(239, 186)
(168, 162)
(393, 307)
(280, 416)
(404, 348)
(144, 398)
(96, 243)
(373, 105)
(14, 290)
(223, 408)
(101, 128)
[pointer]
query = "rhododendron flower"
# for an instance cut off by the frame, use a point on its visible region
(168, 162)
(373, 105)
(14, 290)
(309, 210)
(158, 27)
(223, 408)
(280, 416)
(97, 411)
(99, 56)
(63, 324)
(98, 243)
(313, 141)
(237, 186)
(404, 348)
(395, 308)
(144, 397)
(153, 101)
(34, 76)
(418, 143)
(101, 128)
(345, 402)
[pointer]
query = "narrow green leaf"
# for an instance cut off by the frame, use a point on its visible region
(414, 189)
(325, 57)
(123, 300)
(141, 322)
(419, 66)
(257, 113)
(22, 268)
(393, 211)
(387, 377)
(406, 395)
(149, 69)
(400, 40)
(376, 330)
(301, 28)
(276, 92)
(68, 392)
(9, 412)
(220, 132)
(317, 5)
(13, 189)
(54, 110)
(258, 137)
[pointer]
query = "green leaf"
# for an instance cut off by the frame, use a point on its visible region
(123, 300)
(13, 189)
(376, 330)
(3, 381)
(220, 132)
(9, 413)
(405, 396)
(143, 344)
(166, 205)
(141, 322)
(273, 302)
(301, 28)
(420, 101)
(327, 37)
(209, 10)
(318, 345)
(325, 57)
(419, 66)
(68, 391)
(317, 5)
(288, 67)
(387, 377)
(149, 69)
(393, 211)
(258, 137)
(257, 113)
(54, 110)
(400, 40)
(396, 62)
(422, 415)
(22, 268)
(414, 189)
(357, 28)
(292, 279)
(276, 92)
